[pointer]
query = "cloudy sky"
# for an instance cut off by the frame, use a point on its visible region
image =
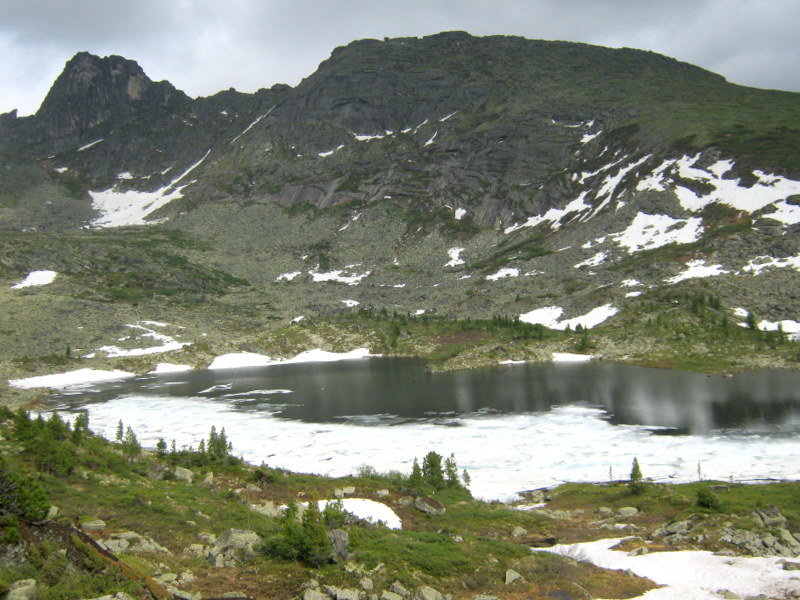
(203, 46)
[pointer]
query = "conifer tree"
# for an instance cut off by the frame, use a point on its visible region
(130, 444)
(416, 480)
(636, 482)
(315, 545)
(451, 472)
(432, 471)
(161, 448)
(120, 431)
(466, 479)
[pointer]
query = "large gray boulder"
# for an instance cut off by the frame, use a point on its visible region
(340, 541)
(233, 546)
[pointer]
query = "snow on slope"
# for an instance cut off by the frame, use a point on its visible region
(36, 278)
(691, 574)
(120, 209)
(549, 317)
(168, 343)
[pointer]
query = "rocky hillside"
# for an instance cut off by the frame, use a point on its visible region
(453, 175)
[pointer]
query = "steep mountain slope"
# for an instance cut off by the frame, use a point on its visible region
(456, 175)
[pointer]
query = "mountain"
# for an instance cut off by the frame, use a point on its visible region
(448, 175)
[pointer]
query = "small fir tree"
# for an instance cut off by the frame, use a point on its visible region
(130, 444)
(466, 479)
(315, 546)
(120, 431)
(451, 472)
(416, 480)
(636, 483)
(161, 448)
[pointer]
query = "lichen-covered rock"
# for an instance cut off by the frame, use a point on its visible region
(24, 589)
(183, 474)
(429, 506)
(512, 576)
(232, 547)
(427, 593)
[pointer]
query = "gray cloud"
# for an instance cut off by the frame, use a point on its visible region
(203, 47)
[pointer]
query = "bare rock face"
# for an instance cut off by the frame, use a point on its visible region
(93, 90)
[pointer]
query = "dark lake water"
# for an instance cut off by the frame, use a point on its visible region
(386, 390)
(513, 427)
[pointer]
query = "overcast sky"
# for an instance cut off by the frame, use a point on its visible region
(204, 46)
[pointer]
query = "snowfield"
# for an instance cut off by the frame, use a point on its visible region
(691, 574)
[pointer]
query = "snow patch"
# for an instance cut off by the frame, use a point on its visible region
(253, 124)
(90, 144)
(61, 170)
(571, 357)
(351, 303)
(459, 213)
(339, 276)
(329, 152)
(653, 231)
(594, 261)
(690, 574)
(169, 368)
(588, 137)
(70, 379)
(239, 360)
(455, 257)
(697, 268)
(549, 317)
(298, 319)
(432, 138)
(119, 209)
(504, 272)
(168, 344)
(554, 215)
(759, 263)
(287, 276)
(35, 278)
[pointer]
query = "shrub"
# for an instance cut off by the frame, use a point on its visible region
(21, 496)
(706, 498)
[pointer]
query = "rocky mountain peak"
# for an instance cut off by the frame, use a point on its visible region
(92, 91)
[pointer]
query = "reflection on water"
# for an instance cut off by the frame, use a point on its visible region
(391, 391)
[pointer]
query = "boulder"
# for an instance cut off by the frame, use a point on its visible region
(183, 474)
(398, 589)
(52, 512)
(518, 531)
(131, 542)
(340, 540)
(427, 593)
(268, 509)
(381, 493)
(429, 506)
(677, 527)
(209, 478)
(93, 525)
(232, 546)
(789, 565)
(387, 595)
(626, 512)
(366, 584)
(314, 594)
(769, 517)
(24, 589)
(512, 576)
